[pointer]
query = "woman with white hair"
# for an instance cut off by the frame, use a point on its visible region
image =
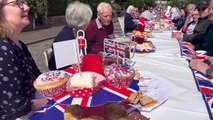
(78, 16)
(129, 24)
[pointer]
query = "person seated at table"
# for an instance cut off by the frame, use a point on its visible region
(168, 13)
(143, 20)
(129, 24)
(189, 25)
(190, 8)
(203, 40)
(78, 16)
(100, 28)
(174, 12)
(180, 19)
(203, 21)
(17, 67)
(203, 67)
(136, 13)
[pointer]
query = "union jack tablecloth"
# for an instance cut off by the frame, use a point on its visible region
(204, 84)
(55, 108)
(55, 111)
(104, 95)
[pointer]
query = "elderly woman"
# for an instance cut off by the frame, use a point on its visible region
(129, 24)
(17, 67)
(78, 16)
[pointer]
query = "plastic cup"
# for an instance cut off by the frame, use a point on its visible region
(200, 52)
(200, 57)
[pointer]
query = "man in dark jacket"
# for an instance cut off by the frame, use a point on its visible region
(204, 40)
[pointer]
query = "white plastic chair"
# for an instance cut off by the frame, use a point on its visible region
(47, 54)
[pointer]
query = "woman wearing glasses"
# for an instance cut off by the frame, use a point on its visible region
(17, 67)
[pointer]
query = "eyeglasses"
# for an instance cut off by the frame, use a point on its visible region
(19, 3)
(195, 14)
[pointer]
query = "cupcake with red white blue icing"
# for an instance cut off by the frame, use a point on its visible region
(52, 83)
(119, 76)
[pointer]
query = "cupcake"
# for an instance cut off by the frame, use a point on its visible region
(52, 83)
(119, 76)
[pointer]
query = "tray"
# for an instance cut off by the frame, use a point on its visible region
(146, 47)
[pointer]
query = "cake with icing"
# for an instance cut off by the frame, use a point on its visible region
(52, 83)
(85, 84)
(82, 80)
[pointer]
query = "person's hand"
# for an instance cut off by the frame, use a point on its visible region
(190, 47)
(198, 65)
(209, 58)
(38, 103)
(188, 19)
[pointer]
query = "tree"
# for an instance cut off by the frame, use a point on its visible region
(38, 7)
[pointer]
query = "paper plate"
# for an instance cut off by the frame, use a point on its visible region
(154, 87)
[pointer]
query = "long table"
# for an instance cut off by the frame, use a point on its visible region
(185, 101)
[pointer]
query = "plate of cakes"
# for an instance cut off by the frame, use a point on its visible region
(146, 47)
(53, 84)
(152, 92)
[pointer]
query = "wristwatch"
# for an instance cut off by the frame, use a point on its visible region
(209, 72)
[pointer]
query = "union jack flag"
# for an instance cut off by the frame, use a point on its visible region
(205, 86)
(118, 49)
(55, 108)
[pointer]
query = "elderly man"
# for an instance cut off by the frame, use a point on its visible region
(100, 28)
(129, 24)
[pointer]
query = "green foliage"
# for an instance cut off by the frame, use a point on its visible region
(93, 4)
(38, 7)
(56, 7)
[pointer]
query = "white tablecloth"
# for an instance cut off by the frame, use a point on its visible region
(185, 101)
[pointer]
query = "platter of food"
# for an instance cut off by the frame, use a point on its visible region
(146, 47)
(152, 92)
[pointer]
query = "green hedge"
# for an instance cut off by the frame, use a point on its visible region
(56, 7)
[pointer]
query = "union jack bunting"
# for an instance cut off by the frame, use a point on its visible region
(118, 49)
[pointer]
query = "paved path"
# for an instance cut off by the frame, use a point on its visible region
(32, 37)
